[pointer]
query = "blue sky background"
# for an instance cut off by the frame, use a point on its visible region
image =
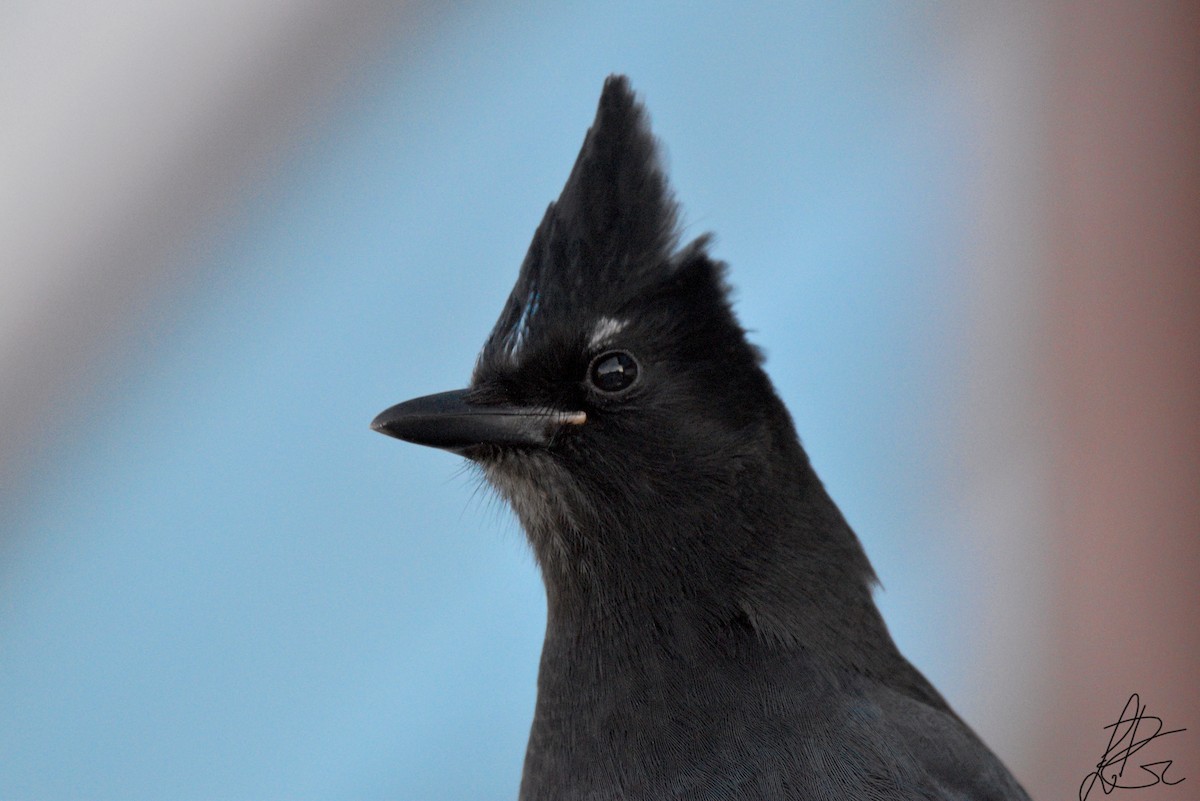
(220, 583)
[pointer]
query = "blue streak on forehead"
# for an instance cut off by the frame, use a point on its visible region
(517, 336)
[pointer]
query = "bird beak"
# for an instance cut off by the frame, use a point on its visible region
(449, 421)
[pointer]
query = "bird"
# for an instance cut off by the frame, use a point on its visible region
(711, 630)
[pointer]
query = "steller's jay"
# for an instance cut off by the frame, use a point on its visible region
(711, 632)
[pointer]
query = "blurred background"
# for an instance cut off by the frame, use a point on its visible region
(231, 233)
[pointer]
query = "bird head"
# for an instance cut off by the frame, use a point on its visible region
(617, 404)
(709, 611)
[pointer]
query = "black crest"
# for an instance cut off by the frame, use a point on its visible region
(608, 237)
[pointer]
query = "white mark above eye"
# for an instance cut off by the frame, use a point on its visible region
(606, 328)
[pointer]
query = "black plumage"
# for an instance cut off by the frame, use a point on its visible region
(711, 631)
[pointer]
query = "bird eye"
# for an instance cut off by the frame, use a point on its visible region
(613, 371)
